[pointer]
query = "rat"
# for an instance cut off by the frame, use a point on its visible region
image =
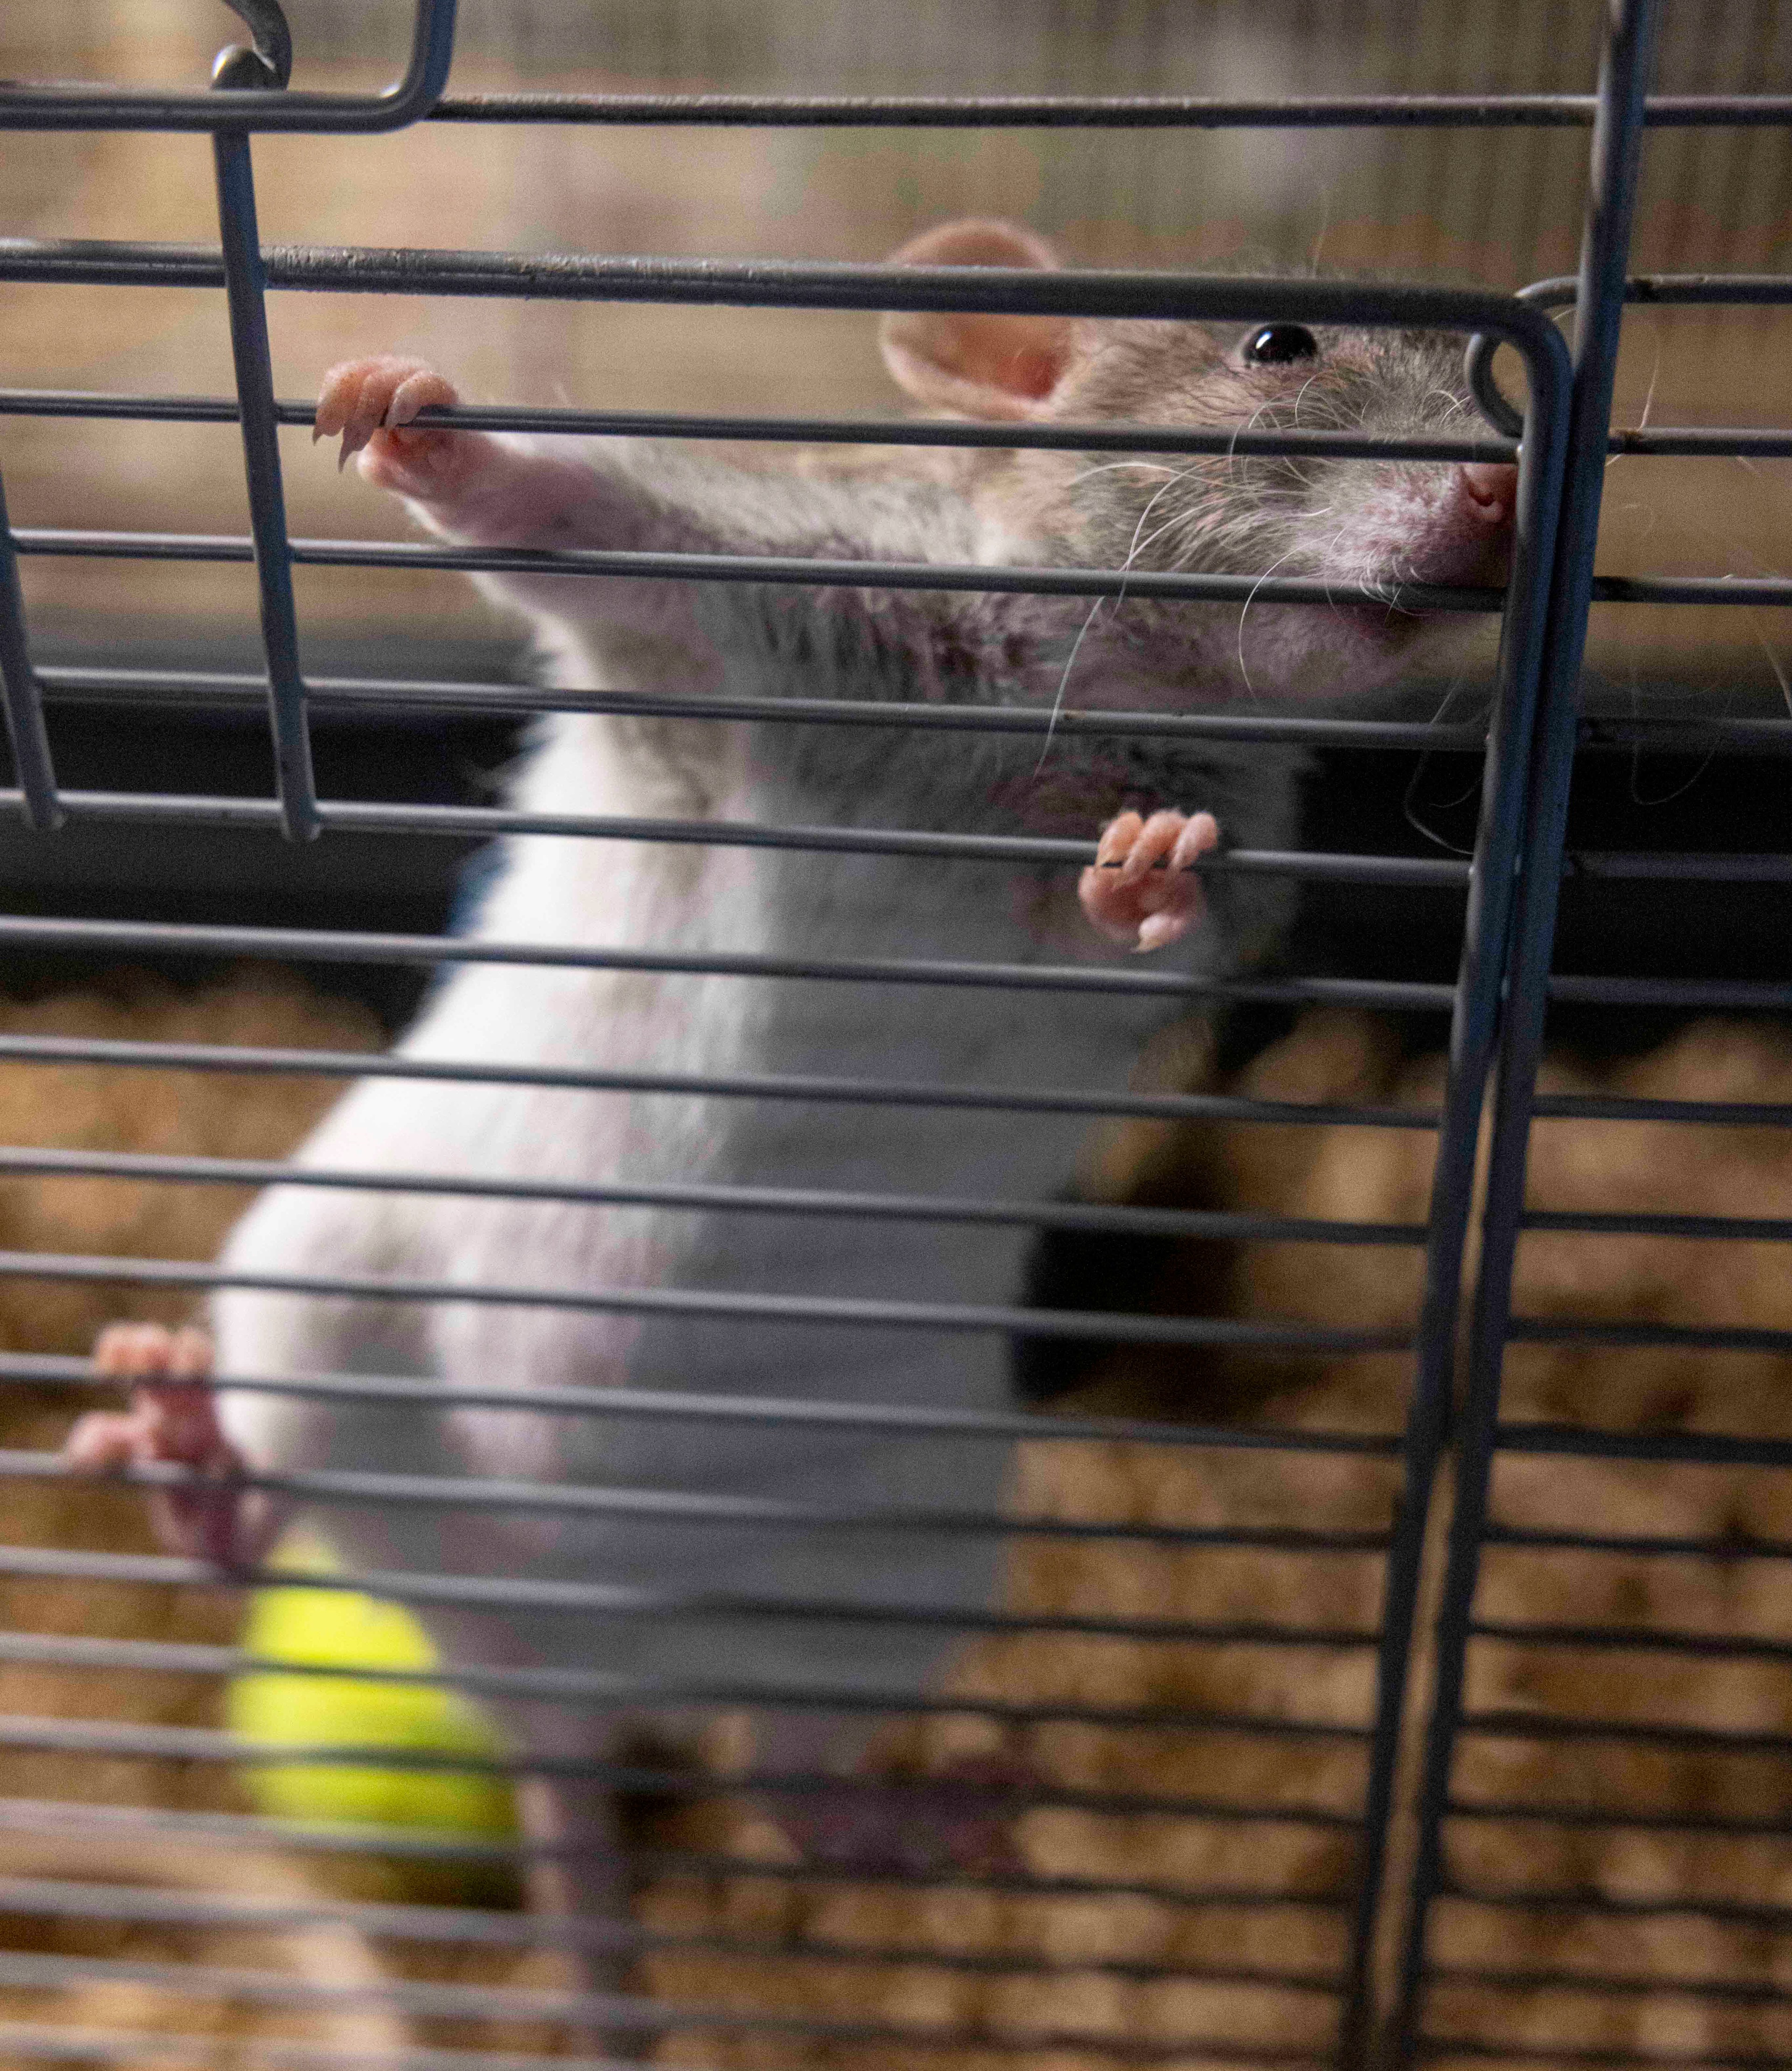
(1156, 804)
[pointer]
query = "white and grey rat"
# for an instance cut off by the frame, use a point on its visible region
(1154, 802)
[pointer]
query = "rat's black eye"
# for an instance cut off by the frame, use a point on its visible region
(1276, 344)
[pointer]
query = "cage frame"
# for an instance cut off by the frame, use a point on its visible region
(1496, 1007)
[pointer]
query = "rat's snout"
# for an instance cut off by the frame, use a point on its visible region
(1487, 491)
(1461, 525)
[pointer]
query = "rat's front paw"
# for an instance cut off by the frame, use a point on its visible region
(173, 1420)
(371, 402)
(1141, 888)
(960, 1817)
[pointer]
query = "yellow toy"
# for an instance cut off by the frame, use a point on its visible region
(341, 1629)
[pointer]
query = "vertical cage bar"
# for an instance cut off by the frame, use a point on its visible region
(1617, 153)
(22, 692)
(245, 289)
(1473, 1032)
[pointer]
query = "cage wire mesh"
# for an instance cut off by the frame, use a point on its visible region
(1385, 1660)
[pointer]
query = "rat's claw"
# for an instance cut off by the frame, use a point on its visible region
(1117, 840)
(1141, 888)
(1157, 930)
(364, 420)
(151, 1353)
(173, 1420)
(421, 389)
(1151, 845)
(342, 385)
(961, 1817)
(1200, 831)
(363, 396)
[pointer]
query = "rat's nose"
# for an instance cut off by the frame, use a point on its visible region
(1489, 490)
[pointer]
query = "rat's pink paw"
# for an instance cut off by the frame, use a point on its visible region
(371, 402)
(173, 1420)
(960, 1817)
(1141, 888)
(976, 1801)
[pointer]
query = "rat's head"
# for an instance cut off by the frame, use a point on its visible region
(1384, 525)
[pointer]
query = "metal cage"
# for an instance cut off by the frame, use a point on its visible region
(1376, 1998)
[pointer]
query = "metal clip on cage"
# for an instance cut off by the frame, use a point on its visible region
(1495, 1009)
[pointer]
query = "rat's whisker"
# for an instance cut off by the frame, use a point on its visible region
(1245, 613)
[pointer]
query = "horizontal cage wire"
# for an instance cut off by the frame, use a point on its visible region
(1273, 1556)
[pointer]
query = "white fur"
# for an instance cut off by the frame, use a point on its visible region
(564, 891)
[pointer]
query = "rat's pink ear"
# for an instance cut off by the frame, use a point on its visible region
(979, 366)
